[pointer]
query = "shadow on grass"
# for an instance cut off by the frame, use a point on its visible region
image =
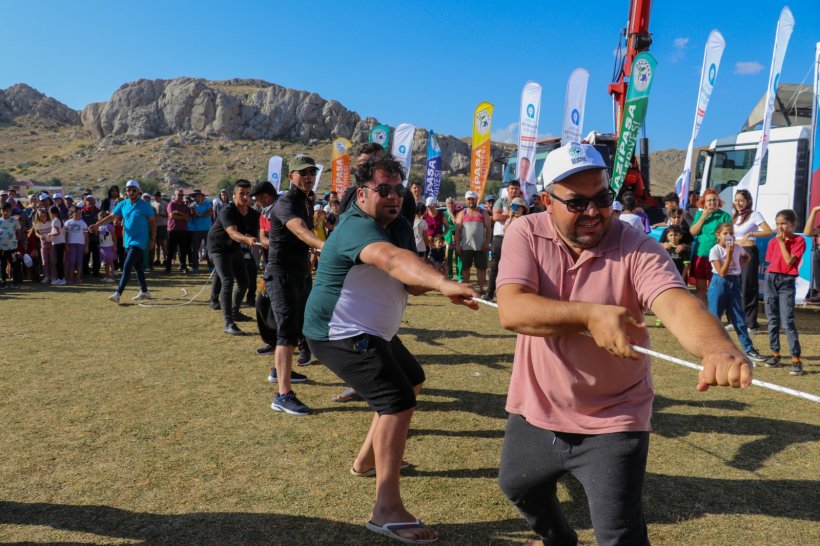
(219, 528)
(500, 361)
(776, 435)
(432, 336)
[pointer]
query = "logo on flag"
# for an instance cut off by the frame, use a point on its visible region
(575, 116)
(379, 136)
(644, 72)
(530, 110)
(482, 123)
(712, 74)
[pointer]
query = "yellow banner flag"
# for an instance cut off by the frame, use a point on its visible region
(480, 157)
(340, 165)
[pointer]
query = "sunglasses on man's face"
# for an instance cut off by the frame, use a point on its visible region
(130, 189)
(310, 171)
(386, 189)
(602, 200)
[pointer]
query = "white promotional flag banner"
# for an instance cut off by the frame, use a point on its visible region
(403, 146)
(785, 25)
(275, 171)
(319, 169)
(574, 106)
(528, 132)
(708, 74)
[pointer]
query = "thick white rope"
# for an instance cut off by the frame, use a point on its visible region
(675, 360)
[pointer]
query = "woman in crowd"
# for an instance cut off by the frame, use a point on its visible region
(706, 220)
(57, 236)
(748, 225)
(42, 229)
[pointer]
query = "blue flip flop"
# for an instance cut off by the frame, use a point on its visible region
(389, 530)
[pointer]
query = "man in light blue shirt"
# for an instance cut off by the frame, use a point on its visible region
(139, 236)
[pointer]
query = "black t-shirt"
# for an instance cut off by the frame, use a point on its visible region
(686, 238)
(287, 251)
(218, 238)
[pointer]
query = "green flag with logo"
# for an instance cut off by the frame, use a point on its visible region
(634, 114)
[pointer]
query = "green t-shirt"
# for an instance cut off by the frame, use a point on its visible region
(707, 239)
(349, 297)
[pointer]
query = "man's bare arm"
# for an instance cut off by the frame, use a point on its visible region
(298, 227)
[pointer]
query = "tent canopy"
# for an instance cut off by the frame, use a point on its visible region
(792, 106)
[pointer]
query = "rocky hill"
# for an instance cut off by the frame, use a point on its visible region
(198, 132)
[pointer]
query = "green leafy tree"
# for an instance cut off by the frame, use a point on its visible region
(6, 180)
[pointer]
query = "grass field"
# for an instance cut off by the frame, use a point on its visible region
(132, 425)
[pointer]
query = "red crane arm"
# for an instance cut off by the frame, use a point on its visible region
(637, 39)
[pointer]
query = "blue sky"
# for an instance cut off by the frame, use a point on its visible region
(427, 63)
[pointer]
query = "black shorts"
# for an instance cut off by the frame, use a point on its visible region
(477, 257)
(382, 372)
(288, 293)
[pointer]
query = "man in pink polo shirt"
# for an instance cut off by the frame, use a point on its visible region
(582, 404)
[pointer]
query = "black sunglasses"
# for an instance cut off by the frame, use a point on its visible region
(131, 189)
(385, 189)
(309, 171)
(602, 200)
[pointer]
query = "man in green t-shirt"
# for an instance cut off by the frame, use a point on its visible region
(352, 317)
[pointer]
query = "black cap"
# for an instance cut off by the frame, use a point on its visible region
(263, 187)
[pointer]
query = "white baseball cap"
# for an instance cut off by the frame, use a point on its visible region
(430, 201)
(471, 195)
(132, 184)
(617, 206)
(569, 159)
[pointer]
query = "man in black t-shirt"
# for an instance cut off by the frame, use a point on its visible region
(237, 223)
(287, 276)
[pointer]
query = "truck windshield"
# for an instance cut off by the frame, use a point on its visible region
(728, 168)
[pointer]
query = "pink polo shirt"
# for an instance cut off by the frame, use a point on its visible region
(567, 383)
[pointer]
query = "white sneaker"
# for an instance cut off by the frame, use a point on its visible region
(55, 282)
(59, 282)
(142, 296)
(45, 280)
(115, 297)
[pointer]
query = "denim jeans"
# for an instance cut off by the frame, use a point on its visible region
(780, 291)
(724, 295)
(610, 467)
(133, 260)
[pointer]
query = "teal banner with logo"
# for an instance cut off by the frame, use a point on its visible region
(633, 116)
(380, 134)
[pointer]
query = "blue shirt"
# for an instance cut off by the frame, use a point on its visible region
(200, 223)
(135, 222)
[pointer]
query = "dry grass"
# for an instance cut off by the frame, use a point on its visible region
(128, 425)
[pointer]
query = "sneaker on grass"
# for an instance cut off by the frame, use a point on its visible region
(289, 404)
(773, 361)
(142, 296)
(797, 367)
(115, 297)
(294, 377)
(754, 356)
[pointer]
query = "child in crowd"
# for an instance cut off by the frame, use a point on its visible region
(783, 254)
(108, 250)
(438, 255)
(724, 295)
(42, 229)
(76, 231)
(678, 251)
(57, 235)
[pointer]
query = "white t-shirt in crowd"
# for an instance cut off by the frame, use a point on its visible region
(107, 235)
(74, 230)
(720, 253)
(57, 224)
(751, 225)
(633, 220)
(419, 231)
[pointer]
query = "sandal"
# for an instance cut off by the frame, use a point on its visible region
(348, 395)
(372, 472)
